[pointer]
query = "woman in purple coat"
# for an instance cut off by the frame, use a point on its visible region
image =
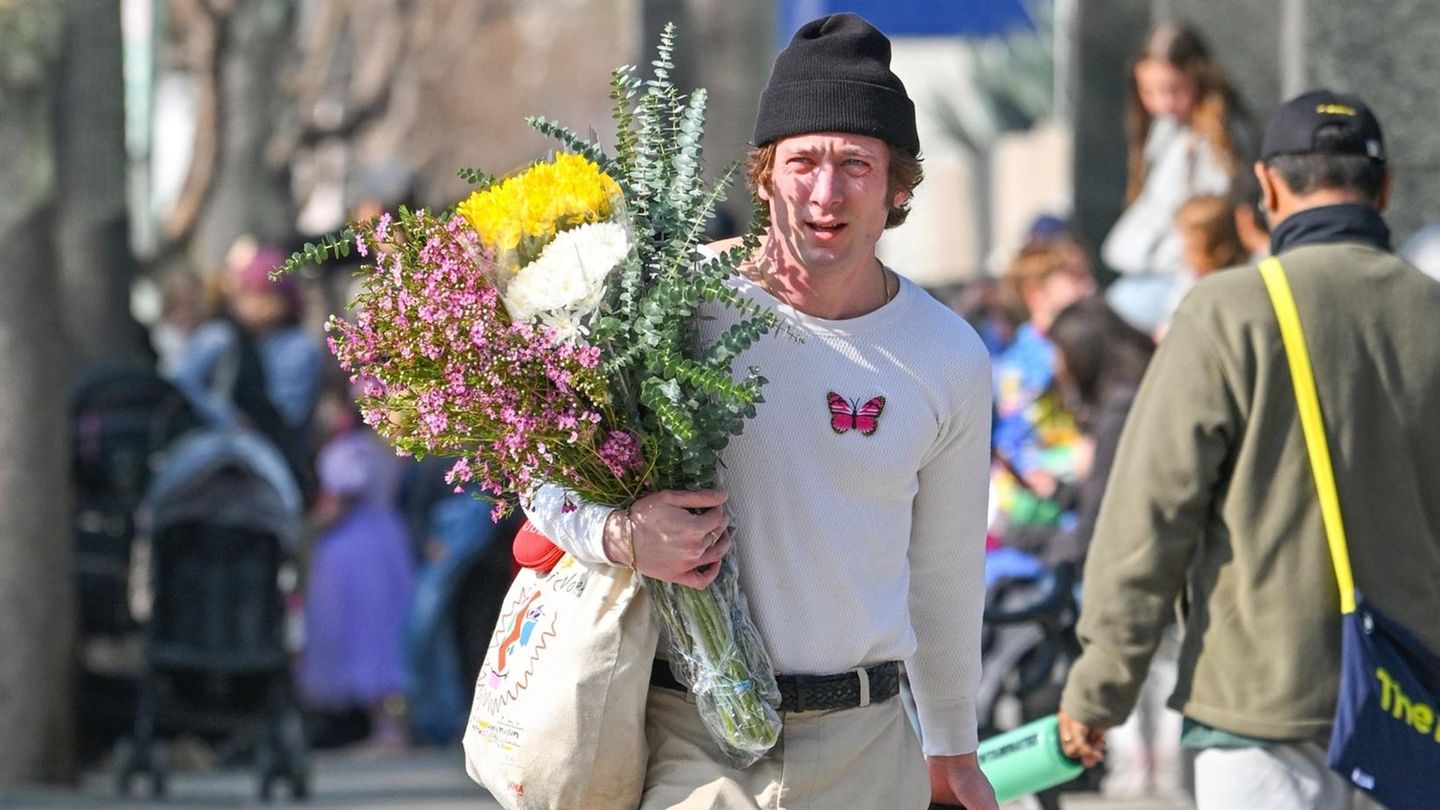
(361, 582)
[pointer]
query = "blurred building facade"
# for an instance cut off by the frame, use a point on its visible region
(368, 99)
(1021, 102)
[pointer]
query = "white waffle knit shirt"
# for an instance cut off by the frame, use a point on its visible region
(857, 549)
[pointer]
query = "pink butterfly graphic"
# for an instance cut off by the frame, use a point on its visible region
(845, 416)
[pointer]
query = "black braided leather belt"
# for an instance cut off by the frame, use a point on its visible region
(808, 693)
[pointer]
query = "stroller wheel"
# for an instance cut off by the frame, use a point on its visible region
(265, 762)
(297, 773)
(125, 767)
(300, 784)
(132, 763)
(132, 760)
(157, 761)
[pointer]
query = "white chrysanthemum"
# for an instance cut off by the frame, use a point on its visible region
(566, 327)
(569, 275)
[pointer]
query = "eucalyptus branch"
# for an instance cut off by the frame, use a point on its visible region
(330, 247)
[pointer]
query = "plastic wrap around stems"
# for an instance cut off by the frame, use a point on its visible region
(717, 650)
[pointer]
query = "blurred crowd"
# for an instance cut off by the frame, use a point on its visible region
(392, 587)
(1068, 352)
(1070, 342)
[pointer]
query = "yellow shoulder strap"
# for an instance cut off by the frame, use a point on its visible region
(1312, 424)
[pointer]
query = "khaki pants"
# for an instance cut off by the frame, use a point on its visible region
(851, 758)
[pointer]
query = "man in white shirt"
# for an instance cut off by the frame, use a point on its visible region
(857, 495)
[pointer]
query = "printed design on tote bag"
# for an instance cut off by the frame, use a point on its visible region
(522, 634)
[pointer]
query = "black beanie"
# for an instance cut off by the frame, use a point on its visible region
(835, 76)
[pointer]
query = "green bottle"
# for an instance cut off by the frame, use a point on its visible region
(1027, 759)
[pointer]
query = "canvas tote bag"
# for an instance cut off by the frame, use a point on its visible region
(558, 719)
(1386, 738)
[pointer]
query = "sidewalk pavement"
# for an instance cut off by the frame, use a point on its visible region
(425, 779)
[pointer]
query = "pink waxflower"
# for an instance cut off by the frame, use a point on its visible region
(621, 453)
(459, 473)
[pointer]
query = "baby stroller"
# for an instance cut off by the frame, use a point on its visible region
(1027, 646)
(224, 520)
(122, 419)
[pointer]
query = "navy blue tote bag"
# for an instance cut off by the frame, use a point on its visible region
(1386, 737)
(1387, 721)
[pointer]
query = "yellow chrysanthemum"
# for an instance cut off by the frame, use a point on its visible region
(530, 207)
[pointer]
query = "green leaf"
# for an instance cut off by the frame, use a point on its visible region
(330, 246)
(475, 177)
(576, 143)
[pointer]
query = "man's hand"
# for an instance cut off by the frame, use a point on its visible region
(676, 536)
(1082, 742)
(957, 781)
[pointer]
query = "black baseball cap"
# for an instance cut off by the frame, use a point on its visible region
(1292, 129)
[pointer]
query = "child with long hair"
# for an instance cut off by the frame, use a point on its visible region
(1186, 138)
(1209, 241)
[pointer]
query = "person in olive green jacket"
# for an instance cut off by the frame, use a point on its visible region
(1212, 507)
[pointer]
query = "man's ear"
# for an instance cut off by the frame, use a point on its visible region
(763, 191)
(899, 199)
(1382, 198)
(1269, 193)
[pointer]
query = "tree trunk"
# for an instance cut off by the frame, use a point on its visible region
(250, 192)
(732, 46)
(36, 591)
(95, 262)
(36, 595)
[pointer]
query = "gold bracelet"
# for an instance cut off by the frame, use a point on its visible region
(629, 533)
(624, 549)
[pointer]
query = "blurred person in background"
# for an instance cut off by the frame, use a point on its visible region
(271, 311)
(218, 366)
(358, 591)
(978, 302)
(1422, 249)
(1186, 137)
(185, 304)
(1099, 360)
(1208, 237)
(1034, 432)
(1209, 242)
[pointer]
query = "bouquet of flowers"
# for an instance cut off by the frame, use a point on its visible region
(544, 330)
